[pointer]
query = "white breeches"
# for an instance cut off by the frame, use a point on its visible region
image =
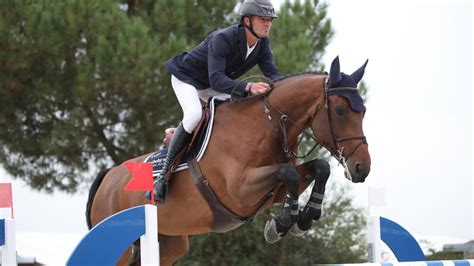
(188, 97)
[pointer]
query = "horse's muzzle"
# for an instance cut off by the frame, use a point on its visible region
(359, 171)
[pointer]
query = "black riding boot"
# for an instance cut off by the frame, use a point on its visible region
(179, 140)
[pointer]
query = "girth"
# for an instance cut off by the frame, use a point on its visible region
(224, 219)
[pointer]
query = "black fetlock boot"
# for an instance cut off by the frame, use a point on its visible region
(179, 140)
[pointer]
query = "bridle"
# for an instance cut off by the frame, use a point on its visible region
(336, 150)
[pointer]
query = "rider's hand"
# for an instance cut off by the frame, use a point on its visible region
(258, 88)
(168, 135)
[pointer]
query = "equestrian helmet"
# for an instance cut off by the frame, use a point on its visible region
(261, 8)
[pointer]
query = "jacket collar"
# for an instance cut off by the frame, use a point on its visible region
(243, 44)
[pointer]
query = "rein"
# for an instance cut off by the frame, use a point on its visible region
(335, 151)
(237, 99)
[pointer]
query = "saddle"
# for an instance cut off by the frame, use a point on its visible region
(195, 149)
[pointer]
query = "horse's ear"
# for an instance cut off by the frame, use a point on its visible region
(335, 72)
(359, 73)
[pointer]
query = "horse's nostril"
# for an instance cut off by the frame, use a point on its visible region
(360, 169)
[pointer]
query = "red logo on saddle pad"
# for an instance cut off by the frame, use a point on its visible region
(142, 177)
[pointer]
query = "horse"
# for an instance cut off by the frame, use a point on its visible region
(250, 163)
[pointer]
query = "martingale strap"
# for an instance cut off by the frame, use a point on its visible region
(224, 219)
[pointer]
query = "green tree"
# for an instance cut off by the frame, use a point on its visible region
(336, 238)
(82, 85)
(300, 35)
(444, 255)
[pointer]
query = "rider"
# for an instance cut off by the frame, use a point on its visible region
(210, 69)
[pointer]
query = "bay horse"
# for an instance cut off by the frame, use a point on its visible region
(249, 165)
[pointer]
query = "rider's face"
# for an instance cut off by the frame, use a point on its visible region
(262, 25)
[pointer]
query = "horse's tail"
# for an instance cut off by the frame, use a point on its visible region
(94, 187)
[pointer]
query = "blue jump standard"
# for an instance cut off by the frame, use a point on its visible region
(403, 245)
(2, 232)
(108, 240)
(436, 263)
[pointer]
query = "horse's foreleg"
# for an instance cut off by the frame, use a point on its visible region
(312, 210)
(130, 257)
(172, 248)
(276, 228)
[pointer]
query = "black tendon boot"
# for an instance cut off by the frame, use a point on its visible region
(179, 140)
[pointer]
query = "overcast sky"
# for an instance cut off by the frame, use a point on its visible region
(418, 123)
(419, 112)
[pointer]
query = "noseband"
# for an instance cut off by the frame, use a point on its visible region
(335, 151)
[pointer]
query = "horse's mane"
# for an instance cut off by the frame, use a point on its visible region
(282, 78)
(300, 74)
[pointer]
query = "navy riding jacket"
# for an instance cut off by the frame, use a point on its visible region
(220, 59)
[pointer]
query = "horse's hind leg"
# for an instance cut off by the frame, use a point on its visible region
(172, 248)
(312, 210)
(279, 226)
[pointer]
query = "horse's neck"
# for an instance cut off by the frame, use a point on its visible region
(297, 97)
(247, 125)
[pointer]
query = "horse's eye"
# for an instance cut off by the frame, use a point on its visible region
(340, 111)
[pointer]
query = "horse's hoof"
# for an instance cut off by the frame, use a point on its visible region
(296, 231)
(270, 232)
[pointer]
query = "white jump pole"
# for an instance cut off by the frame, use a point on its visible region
(149, 246)
(373, 239)
(9, 248)
(374, 242)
